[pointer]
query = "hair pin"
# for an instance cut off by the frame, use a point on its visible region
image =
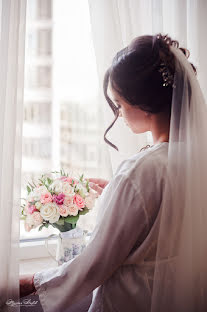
(167, 77)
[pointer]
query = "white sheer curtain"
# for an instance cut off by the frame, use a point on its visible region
(116, 22)
(12, 35)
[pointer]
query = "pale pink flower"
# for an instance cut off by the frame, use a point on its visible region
(89, 201)
(29, 221)
(68, 200)
(37, 218)
(46, 198)
(63, 210)
(79, 201)
(27, 227)
(73, 210)
(32, 209)
(66, 179)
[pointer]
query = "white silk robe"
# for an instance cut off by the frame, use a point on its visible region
(116, 266)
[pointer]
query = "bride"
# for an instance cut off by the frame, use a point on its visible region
(149, 248)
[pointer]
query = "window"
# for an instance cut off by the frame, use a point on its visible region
(61, 112)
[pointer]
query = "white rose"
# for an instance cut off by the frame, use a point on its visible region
(57, 186)
(82, 190)
(38, 205)
(50, 212)
(89, 201)
(67, 189)
(36, 193)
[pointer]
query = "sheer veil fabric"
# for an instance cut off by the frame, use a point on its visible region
(180, 270)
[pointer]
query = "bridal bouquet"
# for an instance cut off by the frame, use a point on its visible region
(57, 200)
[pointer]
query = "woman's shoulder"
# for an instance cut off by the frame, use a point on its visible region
(148, 164)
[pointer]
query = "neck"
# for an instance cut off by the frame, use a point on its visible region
(160, 127)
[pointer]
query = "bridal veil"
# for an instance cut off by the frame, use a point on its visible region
(180, 267)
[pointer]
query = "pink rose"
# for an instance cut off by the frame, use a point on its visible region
(46, 198)
(68, 200)
(63, 210)
(73, 210)
(66, 179)
(37, 218)
(59, 199)
(79, 201)
(32, 209)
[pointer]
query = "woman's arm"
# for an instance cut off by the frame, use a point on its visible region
(122, 223)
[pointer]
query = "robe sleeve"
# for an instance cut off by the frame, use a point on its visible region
(122, 223)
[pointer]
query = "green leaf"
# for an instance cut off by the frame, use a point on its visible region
(62, 228)
(28, 189)
(71, 219)
(49, 181)
(60, 222)
(46, 225)
(73, 226)
(83, 212)
(34, 183)
(41, 227)
(81, 178)
(87, 186)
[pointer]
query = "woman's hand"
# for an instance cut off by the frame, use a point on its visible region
(98, 184)
(26, 285)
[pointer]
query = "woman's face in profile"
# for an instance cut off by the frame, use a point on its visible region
(135, 118)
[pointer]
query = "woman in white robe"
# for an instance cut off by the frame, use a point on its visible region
(118, 264)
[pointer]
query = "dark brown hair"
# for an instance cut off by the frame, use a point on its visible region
(135, 76)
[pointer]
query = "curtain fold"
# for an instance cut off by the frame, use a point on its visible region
(12, 39)
(112, 27)
(116, 22)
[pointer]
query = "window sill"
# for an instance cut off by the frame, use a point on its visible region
(35, 248)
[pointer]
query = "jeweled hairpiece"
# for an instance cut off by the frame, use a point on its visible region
(167, 76)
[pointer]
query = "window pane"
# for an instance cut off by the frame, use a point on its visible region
(62, 121)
